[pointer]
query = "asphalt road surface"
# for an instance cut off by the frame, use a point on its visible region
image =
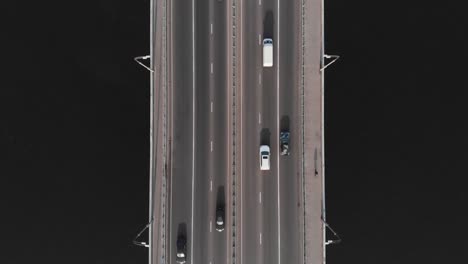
(259, 199)
(289, 118)
(199, 128)
(181, 188)
(270, 199)
(211, 110)
(270, 229)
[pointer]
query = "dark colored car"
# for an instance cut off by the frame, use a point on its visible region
(220, 218)
(181, 249)
(284, 143)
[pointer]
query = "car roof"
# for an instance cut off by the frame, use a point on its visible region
(264, 148)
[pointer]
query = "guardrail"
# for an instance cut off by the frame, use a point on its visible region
(163, 94)
(302, 86)
(234, 128)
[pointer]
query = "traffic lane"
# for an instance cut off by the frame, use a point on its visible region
(290, 204)
(202, 212)
(250, 179)
(182, 158)
(290, 192)
(182, 127)
(269, 137)
(250, 137)
(220, 109)
(220, 168)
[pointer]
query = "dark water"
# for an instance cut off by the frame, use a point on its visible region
(74, 131)
(396, 132)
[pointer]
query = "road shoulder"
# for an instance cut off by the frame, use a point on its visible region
(313, 170)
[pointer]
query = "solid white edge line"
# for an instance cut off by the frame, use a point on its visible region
(193, 125)
(151, 174)
(277, 129)
(172, 126)
(324, 216)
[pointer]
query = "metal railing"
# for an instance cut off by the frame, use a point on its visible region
(234, 127)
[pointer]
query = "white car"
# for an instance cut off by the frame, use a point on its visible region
(264, 157)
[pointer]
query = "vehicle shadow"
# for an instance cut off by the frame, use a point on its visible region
(265, 135)
(182, 230)
(284, 124)
(220, 197)
(268, 23)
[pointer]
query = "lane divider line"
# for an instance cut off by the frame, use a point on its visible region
(193, 126)
(277, 131)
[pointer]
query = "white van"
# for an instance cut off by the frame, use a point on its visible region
(268, 52)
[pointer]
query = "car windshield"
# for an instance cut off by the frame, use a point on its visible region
(264, 153)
